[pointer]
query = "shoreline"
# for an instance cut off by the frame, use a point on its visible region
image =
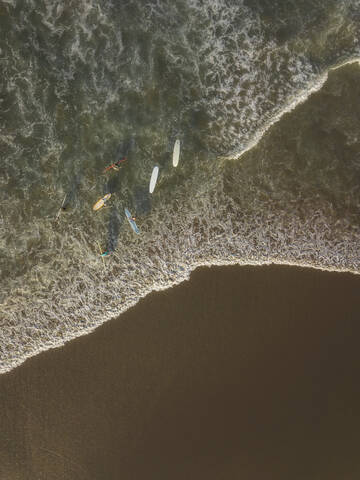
(160, 288)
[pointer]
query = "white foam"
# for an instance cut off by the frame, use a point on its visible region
(291, 104)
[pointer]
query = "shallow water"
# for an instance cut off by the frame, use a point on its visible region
(85, 83)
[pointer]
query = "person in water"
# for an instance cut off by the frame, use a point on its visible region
(115, 166)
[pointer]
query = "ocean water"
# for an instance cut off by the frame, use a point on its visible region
(263, 95)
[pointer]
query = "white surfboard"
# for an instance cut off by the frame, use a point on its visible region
(176, 153)
(153, 178)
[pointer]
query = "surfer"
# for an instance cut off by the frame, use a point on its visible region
(131, 220)
(101, 203)
(63, 208)
(115, 166)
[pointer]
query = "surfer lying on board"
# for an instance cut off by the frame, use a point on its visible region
(116, 165)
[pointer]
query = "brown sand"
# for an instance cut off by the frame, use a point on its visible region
(241, 373)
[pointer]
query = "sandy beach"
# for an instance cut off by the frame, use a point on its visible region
(242, 372)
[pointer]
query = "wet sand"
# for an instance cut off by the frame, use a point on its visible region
(248, 373)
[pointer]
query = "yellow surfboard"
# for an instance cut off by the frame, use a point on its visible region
(100, 203)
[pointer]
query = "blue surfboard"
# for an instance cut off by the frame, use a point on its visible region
(131, 221)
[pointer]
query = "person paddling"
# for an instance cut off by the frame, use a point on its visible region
(116, 165)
